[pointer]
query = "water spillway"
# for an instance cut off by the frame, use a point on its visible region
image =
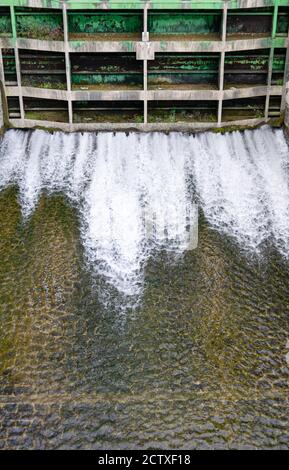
(144, 275)
(107, 312)
(135, 193)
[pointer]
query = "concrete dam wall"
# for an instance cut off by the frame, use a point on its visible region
(147, 65)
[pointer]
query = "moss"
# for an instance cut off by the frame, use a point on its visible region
(105, 22)
(104, 36)
(161, 85)
(274, 122)
(54, 116)
(278, 121)
(232, 128)
(42, 26)
(178, 115)
(47, 85)
(5, 26)
(50, 130)
(205, 38)
(106, 86)
(112, 117)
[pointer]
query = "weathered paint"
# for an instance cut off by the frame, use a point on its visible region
(247, 62)
(274, 20)
(183, 69)
(106, 69)
(109, 78)
(184, 23)
(108, 22)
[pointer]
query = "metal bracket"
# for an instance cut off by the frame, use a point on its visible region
(145, 51)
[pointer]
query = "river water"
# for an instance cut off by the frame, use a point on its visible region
(116, 331)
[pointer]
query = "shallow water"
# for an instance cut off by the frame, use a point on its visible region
(198, 362)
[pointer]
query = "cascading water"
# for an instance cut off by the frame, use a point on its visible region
(134, 191)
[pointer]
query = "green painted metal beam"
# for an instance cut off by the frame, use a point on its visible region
(275, 19)
(13, 22)
(136, 4)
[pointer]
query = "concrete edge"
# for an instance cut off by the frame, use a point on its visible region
(193, 127)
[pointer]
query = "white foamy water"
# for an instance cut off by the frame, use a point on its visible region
(134, 192)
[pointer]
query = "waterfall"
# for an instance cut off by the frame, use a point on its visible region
(135, 192)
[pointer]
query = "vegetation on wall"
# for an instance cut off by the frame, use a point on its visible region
(105, 23)
(182, 111)
(103, 79)
(168, 71)
(45, 81)
(9, 65)
(189, 23)
(5, 25)
(41, 26)
(184, 69)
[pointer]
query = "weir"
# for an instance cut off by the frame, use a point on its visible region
(144, 65)
(144, 275)
(135, 192)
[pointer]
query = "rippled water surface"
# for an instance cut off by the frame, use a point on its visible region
(198, 359)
